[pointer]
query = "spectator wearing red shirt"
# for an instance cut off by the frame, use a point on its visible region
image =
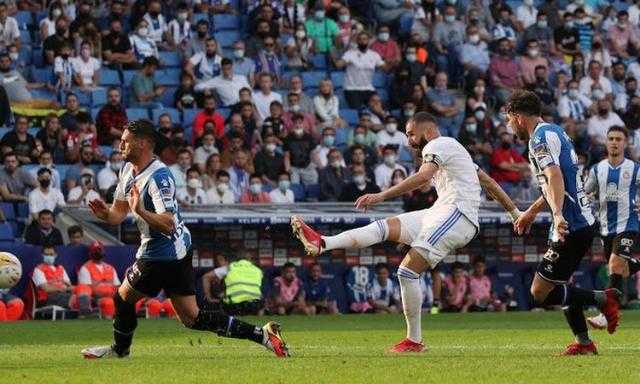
(111, 118)
(386, 47)
(208, 114)
(255, 194)
(508, 167)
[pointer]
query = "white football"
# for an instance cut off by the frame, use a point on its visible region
(10, 270)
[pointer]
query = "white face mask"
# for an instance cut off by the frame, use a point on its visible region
(533, 52)
(449, 18)
(222, 187)
(298, 131)
(194, 183)
(336, 164)
(238, 53)
(390, 160)
(295, 108)
(383, 36)
(474, 39)
(117, 166)
(319, 14)
(479, 115)
(301, 34)
(391, 128)
(573, 93)
(56, 13)
(14, 56)
(183, 16)
(359, 180)
(284, 185)
(271, 147)
(143, 31)
(411, 57)
(256, 188)
(344, 18)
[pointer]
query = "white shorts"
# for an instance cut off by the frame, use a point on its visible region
(436, 232)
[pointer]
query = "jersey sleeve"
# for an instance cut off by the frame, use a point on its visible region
(83, 276)
(38, 278)
(436, 153)
(591, 183)
(545, 148)
(162, 190)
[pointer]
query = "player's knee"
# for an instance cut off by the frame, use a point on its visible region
(538, 294)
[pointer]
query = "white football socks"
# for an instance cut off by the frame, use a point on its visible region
(411, 302)
(362, 237)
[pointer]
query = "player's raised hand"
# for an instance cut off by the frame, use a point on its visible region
(560, 227)
(368, 200)
(99, 209)
(134, 198)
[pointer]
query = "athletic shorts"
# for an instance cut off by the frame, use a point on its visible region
(620, 244)
(436, 232)
(563, 258)
(149, 277)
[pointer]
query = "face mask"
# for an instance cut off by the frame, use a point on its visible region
(479, 115)
(383, 36)
(506, 145)
(183, 16)
(479, 89)
(622, 25)
(411, 57)
(542, 24)
(194, 183)
(284, 185)
(328, 141)
(143, 32)
(533, 52)
(451, 2)
(56, 13)
(14, 56)
(301, 34)
(579, 2)
(598, 94)
(408, 112)
(570, 24)
(256, 188)
(238, 53)
(45, 183)
(319, 14)
(391, 128)
(209, 147)
(474, 39)
(61, 31)
(359, 179)
(528, 2)
(363, 47)
(359, 138)
(96, 257)
(117, 166)
(390, 160)
(49, 259)
(573, 93)
(603, 111)
(298, 132)
(295, 108)
(336, 164)
(202, 34)
(271, 147)
(222, 187)
(471, 127)
(449, 18)
(344, 18)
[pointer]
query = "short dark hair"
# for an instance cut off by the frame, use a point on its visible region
(43, 170)
(423, 117)
(226, 61)
(478, 259)
(193, 169)
(457, 265)
(524, 102)
(143, 129)
(288, 264)
(72, 230)
(222, 173)
(390, 147)
(381, 266)
(284, 173)
(45, 212)
(255, 176)
(150, 61)
(83, 118)
(618, 128)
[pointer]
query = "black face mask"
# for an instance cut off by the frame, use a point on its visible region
(45, 183)
(540, 79)
(210, 55)
(631, 92)
(363, 47)
(85, 161)
(64, 56)
(506, 145)
(202, 34)
(154, 14)
(504, 52)
(96, 257)
(603, 111)
(5, 70)
(61, 31)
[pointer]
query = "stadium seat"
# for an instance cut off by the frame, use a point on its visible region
(22, 210)
(42, 93)
(312, 79)
(33, 131)
(62, 170)
(405, 155)
(8, 210)
(25, 55)
(227, 38)
(350, 116)
(379, 80)
(384, 95)
(341, 136)
(187, 117)
(174, 113)
(319, 61)
(313, 192)
(168, 76)
(25, 20)
(170, 59)
(98, 97)
(94, 113)
(298, 191)
(25, 38)
(106, 150)
(36, 57)
(167, 97)
(43, 75)
(225, 22)
(224, 112)
(127, 76)
(6, 232)
(137, 113)
(109, 77)
(337, 78)
(199, 16)
(4, 131)
(84, 98)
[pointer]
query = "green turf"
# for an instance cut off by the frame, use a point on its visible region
(471, 349)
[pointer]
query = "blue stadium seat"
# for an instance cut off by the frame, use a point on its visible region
(350, 116)
(4, 131)
(33, 131)
(341, 136)
(312, 79)
(174, 113)
(227, 38)
(225, 22)
(168, 76)
(24, 19)
(319, 61)
(6, 232)
(84, 98)
(298, 191)
(170, 59)
(42, 93)
(313, 192)
(22, 210)
(106, 150)
(199, 16)
(187, 117)
(25, 55)
(25, 38)
(167, 97)
(94, 113)
(62, 170)
(224, 112)
(337, 78)
(41, 16)
(379, 80)
(137, 113)
(109, 77)
(127, 76)
(8, 210)
(43, 75)
(98, 97)
(36, 57)
(405, 155)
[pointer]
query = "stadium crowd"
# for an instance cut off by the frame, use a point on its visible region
(279, 101)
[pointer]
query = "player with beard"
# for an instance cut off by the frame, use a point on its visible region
(147, 189)
(431, 233)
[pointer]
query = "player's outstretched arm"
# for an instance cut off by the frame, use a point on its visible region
(113, 215)
(522, 224)
(495, 191)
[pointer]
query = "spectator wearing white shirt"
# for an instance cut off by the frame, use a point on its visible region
(204, 66)
(264, 97)
(221, 193)
(108, 176)
(158, 26)
(599, 125)
(594, 80)
(227, 85)
(46, 161)
(384, 171)
(192, 193)
(205, 150)
(184, 161)
(83, 193)
(574, 105)
(361, 63)
(48, 24)
(327, 106)
(526, 14)
(86, 68)
(282, 194)
(320, 152)
(179, 29)
(63, 68)
(9, 31)
(623, 99)
(390, 134)
(243, 65)
(143, 46)
(44, 196)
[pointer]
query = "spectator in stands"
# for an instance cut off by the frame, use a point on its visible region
(623, 37)
(542, 87)
(87, 134)
(274, 123)
(72, 108)
(386, 46)
(155, 306)
(294, 108)
(390, 134)
(238, 174)
(473, 54)
(477, 140)
(362, 155)
(45, 196)
(75, 235)
(243, 65)
(575, 105)
(45, 160)
(624, 99)
(526, 15)
(143, 45)
(359, 185)
(361, 63)
(10, 32)
(11, 307)
(264, 97)
(595, 85)
(456, 289)
(282, 194)
(269, 162)
(384, 171)
(318, 295)
(18, 91)
(206, 65)
(20, 142)
(15, 181)
(117, 50)
(320, 152)
(212, 166)
(49, 135)
(481, 296)
(334, 177)
(84, 192)
(268, 59)
(327, 106)
(385, 295)
(566, 36)
(185, 97)
(227, 85)
(97, 282)
(297, 154)
(530, 61)
(220, 192)
(158, 27)
(508, 167)
(292, 14)
(47, 25)
(348, 29)
(85, 68)
(205, 150)
(180, 168)
(179, 29)
(112, 118)
(51, 280)
(192, 194)
(362, 133)
(145, 91)
(504, 28)
(52, 45)
(323, 30)
(447, 35)
(43, 231)
(108, 176)
(376, 112)
(197, 42)
(598, 125)
(81, 167)
(208, 116)
(255, 193)
(504, 71)
(394, 12)
(305, 102)
(617, 79)
(288, 295)
(299, 50)
(443, 103)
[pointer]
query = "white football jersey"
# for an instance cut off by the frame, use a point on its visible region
(456, 180)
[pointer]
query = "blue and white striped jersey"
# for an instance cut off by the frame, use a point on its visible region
(549, 145)
(388, 294)
(158, 193)
(616, 189)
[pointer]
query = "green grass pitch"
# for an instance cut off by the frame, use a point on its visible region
(469, 348)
